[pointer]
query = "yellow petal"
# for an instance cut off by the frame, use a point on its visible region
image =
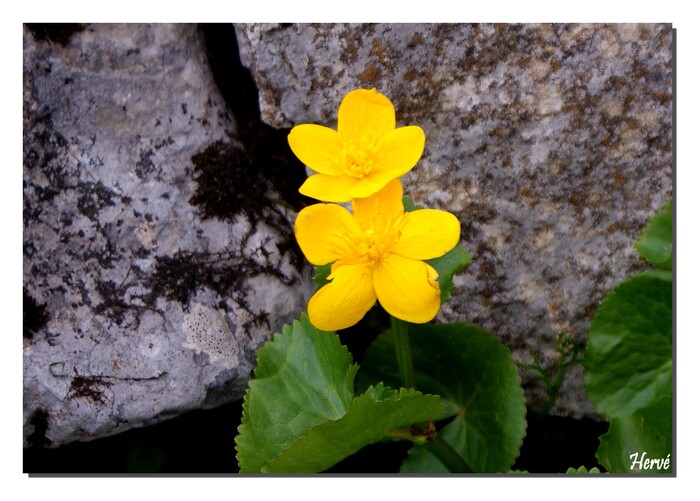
(407, 288)
(399, 151)
(328, 188)
(316, 146)
(365, 113)
(427, 234)
(325, 232)
(368, 186)
(344, 301)
(386, 203)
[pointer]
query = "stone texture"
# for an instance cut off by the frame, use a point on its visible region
(140, 307)
(551, 143)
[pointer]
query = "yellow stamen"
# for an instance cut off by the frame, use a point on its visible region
(360, 156)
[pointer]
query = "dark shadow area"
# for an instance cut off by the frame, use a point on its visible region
(553, 444)
(60, 33)
(203, 442)
(197, 442)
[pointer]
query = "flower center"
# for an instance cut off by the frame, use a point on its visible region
(377, 239)
(360, 156)
(372, 247)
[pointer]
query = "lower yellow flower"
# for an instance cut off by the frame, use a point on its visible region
(378, 252)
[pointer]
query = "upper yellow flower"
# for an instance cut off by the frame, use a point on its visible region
(363, 155)
(377, 252)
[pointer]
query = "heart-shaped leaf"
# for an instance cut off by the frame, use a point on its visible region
(300, 413)
(477, 379)
(628, 360)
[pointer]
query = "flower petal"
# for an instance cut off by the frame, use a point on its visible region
(399, 151)
(368, 186)
(344, 301)
(427, 234)
(317, 147)
(386, 203)
(325, 232)
(407, 289)
(328, 188)
(365, 113)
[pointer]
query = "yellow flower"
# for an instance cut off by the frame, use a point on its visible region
(363, 155)
(377, 252)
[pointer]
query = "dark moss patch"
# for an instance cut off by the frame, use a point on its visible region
(228, 184)
(89, 387)
(261, 177)
(268, 156)
(34, 315)
(180, 276)
(60, 33)
(40, 421)
(115, 305)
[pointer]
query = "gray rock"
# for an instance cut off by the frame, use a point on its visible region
(141, 307)
(551, 143)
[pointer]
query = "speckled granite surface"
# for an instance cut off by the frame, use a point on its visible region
(552, 144)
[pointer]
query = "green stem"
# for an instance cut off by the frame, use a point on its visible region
(437, 446)
(403, 352)
(448, 456)
(400, 434)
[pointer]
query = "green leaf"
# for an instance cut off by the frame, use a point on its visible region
(321, 275)
(582, 470)
(299, 413)
(644, 435)
(303, 378)
(447, 266)
(656, 241)
(408, 205)
(477, 379)
(629, 353)
(370, 418)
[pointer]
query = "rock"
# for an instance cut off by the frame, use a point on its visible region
(138, 307)
(551, 143)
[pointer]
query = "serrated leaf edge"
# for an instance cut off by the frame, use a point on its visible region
(369, 393)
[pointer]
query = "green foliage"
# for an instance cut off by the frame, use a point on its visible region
(303, 378)
(300, 414)
(629, 360)
(568, 355)
(447, 266)
(648, 431)
(370, 418)
(582, 470)
(477, 379)
(321, 275)
(629, 353)
(408, 205)
(656, 241)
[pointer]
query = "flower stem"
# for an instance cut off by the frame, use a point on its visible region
(437, 445)
(403, 352)
(448, 456)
